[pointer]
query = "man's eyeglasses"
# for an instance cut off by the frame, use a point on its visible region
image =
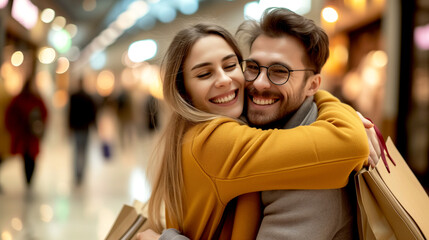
(277, 73)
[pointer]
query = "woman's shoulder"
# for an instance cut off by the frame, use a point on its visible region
(218, 125)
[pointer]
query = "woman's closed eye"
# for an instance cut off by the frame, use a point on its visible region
(230, 67)
(204, 75)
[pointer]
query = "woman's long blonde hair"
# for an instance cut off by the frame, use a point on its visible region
(167, 178)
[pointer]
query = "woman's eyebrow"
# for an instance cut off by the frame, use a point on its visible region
(228, 57)
(207, 63)
(200, 65)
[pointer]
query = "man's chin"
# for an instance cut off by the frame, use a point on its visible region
(259, 119)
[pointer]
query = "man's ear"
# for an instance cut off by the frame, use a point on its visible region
(313, 84)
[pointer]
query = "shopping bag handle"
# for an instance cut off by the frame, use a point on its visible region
(383, 147)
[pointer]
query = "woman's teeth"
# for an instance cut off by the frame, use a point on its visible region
(224, 99)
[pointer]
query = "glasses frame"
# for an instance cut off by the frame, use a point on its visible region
(268, 76)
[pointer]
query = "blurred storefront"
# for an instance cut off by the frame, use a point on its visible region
(379, 64)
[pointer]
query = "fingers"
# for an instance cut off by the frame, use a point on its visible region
(374, 142)
(373, 158)
(374, 147)
(366, 122)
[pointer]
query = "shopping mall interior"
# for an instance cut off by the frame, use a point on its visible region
(113, 49)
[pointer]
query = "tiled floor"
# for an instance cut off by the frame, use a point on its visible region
(55, 208)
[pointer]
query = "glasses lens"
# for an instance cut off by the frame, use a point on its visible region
(278, 74)
(250, 70)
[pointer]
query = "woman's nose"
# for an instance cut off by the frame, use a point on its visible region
(223, 79)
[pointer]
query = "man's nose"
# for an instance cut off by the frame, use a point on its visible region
(262, 82)
(223, 80)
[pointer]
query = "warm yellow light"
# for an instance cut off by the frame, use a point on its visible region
(44, 82)
(63, 65)
(13, 79)
(371, 76)
(46, 213)
(352, 86)
(59, 23)
(47, 15)
(5, 235)
(379, 59)
(358, 5)
(341, 53)
(17, 58)
(16, 224)
(127, 78)
(105, 83)
(330, 15)
(60, 100)
(47, 55)
(71, 29)
(151, 80)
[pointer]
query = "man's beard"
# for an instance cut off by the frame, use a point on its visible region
(262, 119)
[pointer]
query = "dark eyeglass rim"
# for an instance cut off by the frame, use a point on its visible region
(259, 72)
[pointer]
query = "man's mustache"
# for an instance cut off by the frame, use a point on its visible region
(252, 91)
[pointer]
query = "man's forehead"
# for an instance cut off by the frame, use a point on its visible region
(284, 49)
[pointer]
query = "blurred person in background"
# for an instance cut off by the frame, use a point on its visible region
(81, 115)
(25, 119)
(125, 118)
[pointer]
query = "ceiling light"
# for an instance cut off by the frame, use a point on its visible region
(142, 50)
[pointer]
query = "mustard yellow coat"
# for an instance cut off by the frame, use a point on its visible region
(223, 159)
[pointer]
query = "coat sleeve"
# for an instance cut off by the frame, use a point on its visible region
(240, 159)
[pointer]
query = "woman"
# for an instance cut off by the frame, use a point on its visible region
(208, 160)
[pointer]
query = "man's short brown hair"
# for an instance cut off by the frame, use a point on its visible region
(276, 22)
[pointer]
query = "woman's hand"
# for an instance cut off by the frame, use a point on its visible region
(374, 146)
(148, 234)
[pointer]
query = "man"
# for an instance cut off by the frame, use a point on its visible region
(81, 116)
(287, 53)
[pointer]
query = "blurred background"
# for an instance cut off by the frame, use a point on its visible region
(103, 56)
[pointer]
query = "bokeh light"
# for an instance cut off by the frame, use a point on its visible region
(71, 29)
(47, 55)
(105, 83)
(63, 65)
(3, 3)
(46, 213)
(13, 78)
(330, 15)
(98, 60)
(59, 23)
(379, 59)
(16, 224)
(6, 235)
(60, 40)
(142, 50)
(188, 7)
(25, 12)
(17, 58)
(47, 15)
(59, 100)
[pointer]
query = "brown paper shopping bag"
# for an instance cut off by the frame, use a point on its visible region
(391, 205)
(130, 221)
